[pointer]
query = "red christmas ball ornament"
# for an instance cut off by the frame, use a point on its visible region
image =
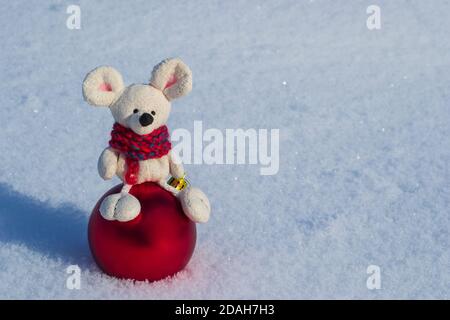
(158, 243)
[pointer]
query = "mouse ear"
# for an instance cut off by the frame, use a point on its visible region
(173, 77)
(102, 86)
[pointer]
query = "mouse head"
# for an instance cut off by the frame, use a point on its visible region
(140, 107)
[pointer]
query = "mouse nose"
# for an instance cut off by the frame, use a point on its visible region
(146, 119)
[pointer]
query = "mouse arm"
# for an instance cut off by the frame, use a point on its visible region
(175, 166)
(107, 163)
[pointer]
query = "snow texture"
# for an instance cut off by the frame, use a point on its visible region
(364, 119)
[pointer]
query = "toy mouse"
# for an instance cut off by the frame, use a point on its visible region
(140, 150)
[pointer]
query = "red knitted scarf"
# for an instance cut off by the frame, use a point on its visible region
(137, 147)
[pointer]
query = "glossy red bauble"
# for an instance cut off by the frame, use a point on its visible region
(158, 243)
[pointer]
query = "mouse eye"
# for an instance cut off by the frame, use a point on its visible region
(135, 111)
(153, 112)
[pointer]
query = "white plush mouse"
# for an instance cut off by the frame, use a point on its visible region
(140, 146)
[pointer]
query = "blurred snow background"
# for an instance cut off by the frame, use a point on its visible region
(364, 118)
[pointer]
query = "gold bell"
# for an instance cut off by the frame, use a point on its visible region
(178, 184)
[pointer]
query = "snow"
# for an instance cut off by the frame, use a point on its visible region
(364, 144)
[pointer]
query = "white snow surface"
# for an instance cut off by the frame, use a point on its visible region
(364, 119)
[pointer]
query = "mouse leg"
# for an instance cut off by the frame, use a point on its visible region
(120, 206)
